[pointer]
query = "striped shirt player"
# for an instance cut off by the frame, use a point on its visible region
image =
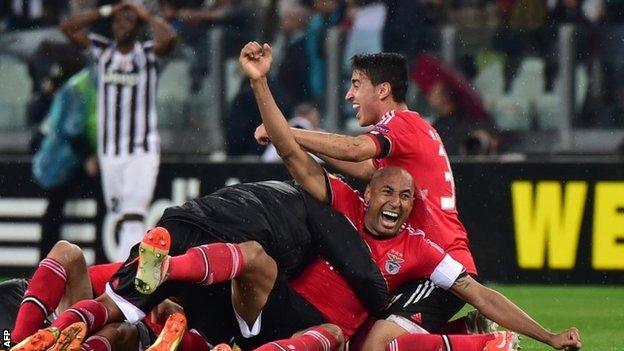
(126, 106)
(128, 142)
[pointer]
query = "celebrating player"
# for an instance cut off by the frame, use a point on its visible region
(226, 236)
(401, 252)
(63, 279)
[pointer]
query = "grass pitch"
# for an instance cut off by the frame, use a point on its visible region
(597, 311)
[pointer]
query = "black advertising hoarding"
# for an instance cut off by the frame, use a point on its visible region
(555, 222)
(544, 222)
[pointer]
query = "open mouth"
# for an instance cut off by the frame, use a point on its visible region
(389, 218)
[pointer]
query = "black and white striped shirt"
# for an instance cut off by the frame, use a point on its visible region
(127, 83)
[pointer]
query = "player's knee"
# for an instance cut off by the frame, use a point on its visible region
(253, 253)
(67, 254)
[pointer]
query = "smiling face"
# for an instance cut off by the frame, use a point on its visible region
(390, 198)
(365, 98)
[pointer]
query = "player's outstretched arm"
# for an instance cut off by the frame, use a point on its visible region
(340, 147)
(255, 61)
(498, 308)
(362, 170)
(74, 27)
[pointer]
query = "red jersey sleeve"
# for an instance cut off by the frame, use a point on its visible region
(395, 135)
(344, 199)
(441, 268)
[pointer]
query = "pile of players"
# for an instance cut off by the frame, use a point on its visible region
(311, 265)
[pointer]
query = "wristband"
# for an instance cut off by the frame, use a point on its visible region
(106, 10)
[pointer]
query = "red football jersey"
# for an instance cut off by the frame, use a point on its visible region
(406, 140)
(407, 256)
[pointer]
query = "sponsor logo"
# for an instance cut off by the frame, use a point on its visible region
(121, 78)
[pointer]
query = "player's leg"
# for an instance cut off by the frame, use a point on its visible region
(112, 189)
(284, 314)
(324, 337)
(115, 337)
(252, 271)
(251, 289)
(60, 279)
(499, 341)
(390, 336)
(139, 179)
(417, 307)
(204, 264)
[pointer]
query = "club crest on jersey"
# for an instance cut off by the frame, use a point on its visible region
(394, 262)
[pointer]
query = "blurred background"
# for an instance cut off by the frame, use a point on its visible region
(527, 94)
(540, 77)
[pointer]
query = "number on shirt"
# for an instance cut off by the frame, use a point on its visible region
(447, 203)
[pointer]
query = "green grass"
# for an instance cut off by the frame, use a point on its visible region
(597, 311)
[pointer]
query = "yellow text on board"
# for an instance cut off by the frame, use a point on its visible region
(548, 216)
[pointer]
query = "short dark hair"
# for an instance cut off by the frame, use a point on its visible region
(384, 67)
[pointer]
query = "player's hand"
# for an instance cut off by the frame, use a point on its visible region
(166, 308)
(569, 339)
(261, 135)
(255, 60)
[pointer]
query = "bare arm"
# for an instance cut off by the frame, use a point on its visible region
(360, 170)
(165, 36)
(75, 27)
(498, 308)
(255, 62)
(341, 147)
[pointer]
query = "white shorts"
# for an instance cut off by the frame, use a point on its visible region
(128, 182)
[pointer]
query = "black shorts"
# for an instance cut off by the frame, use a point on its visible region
(284, 314)
(423, 303)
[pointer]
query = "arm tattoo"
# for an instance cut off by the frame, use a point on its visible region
(462, 282)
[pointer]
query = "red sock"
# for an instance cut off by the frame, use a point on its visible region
(314, 339)
(434, 342)
(45, 290)
(207, 264)
(193, 341)
(91, 312)
(457, 326)
(96, 343)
